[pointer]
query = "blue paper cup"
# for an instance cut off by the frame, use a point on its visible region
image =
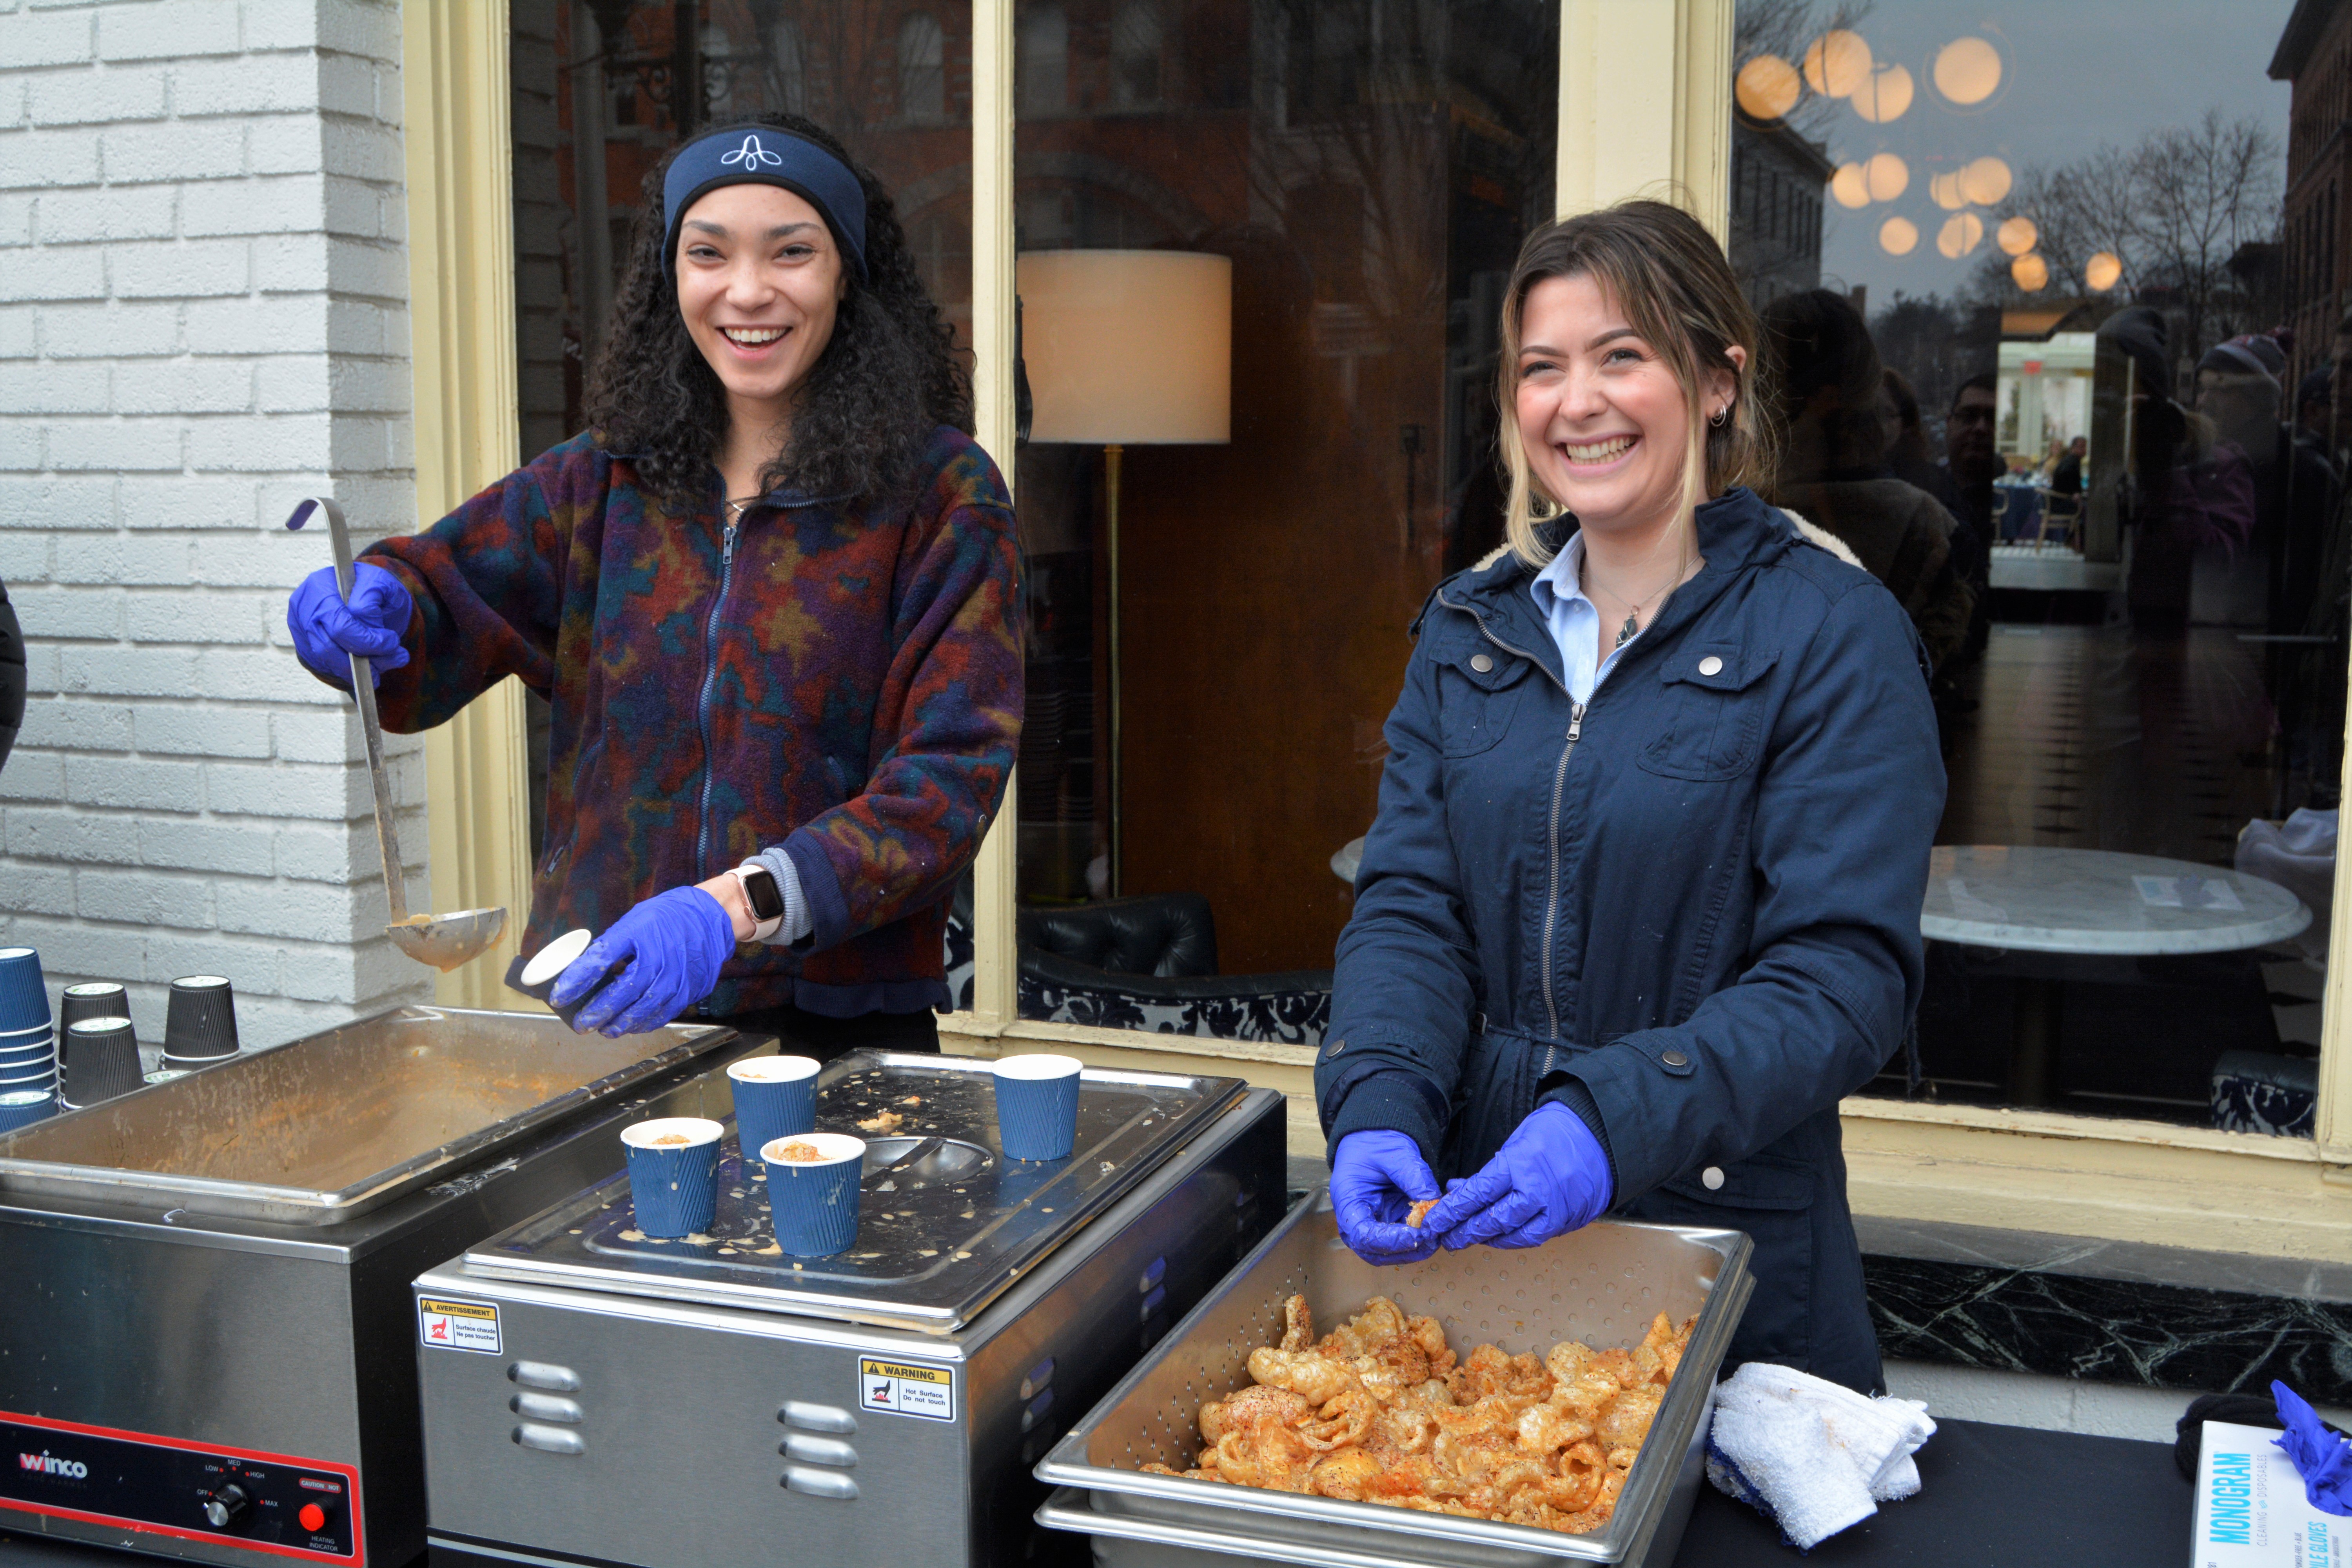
(775, 1097)
(674, 1173)
(1037, 1105)
(814, 1201)
(22, 1107)
(41, 1048)
(24, 1005)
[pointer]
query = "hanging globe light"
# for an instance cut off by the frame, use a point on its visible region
(1944, 190)
(1768, 87)
(2017, 236)
(2103, 271)
(1898, 235)
(1837, 62)
(1967, 71)
(2030, 272)
(1887, 176)
(1961, 233)
(1851, 186)
(1985, 182)
(1884, 95)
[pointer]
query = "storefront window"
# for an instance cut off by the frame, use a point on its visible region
(603, 89)
(1226, 548)
(2056, 328)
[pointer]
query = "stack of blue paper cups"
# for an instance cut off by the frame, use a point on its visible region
(28, 1041)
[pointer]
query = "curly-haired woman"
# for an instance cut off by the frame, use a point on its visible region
(771, 594)
(1641, 901)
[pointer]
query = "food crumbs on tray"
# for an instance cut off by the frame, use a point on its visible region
(633, 1236)
(912, 1100)
(886, 1121)
(799, 1154)
(773, 1249)
(725, 1252)
(1382, 1411)
(927, 1252)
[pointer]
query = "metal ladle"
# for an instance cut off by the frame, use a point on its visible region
(444, 942)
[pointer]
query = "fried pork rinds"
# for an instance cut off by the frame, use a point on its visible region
(1418, 1212)
(1379, 1410)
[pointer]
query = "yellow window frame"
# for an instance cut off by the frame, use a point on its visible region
(1645, 109)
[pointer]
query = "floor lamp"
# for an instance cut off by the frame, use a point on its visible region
(1125, 348)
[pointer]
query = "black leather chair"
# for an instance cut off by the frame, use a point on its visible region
(1147, 963)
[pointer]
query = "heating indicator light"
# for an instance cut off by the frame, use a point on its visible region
(313, 1517)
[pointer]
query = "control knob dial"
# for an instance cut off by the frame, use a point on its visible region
(226, 1506)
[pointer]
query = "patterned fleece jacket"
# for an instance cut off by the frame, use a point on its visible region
(843, 680)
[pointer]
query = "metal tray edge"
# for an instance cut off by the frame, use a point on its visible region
(1063, 1464)
(299, 1206)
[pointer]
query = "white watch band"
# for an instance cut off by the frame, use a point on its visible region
(760, 930)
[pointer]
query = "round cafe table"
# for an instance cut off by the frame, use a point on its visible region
(2033, 898)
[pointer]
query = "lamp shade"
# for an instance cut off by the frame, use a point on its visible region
(1127, 347)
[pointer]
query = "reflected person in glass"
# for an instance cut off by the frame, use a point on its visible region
(1641, 900)
(770, 593)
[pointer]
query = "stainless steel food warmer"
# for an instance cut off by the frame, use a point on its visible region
(206, 1340)
(1602, 1285)
(600, 1397)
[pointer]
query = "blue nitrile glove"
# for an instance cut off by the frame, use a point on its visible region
(672, 945)
(2322, 1458)
(1549, 1177)
(1376, 1177)
(327, 631)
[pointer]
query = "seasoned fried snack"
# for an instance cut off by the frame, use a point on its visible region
(1379, 1410)
(1418, 1212)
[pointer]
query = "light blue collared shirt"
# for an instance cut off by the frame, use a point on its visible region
(1574, 620)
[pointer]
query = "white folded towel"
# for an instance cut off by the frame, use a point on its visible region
(1812, 1456)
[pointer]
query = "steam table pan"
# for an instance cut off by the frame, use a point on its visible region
(1602, 1285)
(938, 1239)
(325, 1129)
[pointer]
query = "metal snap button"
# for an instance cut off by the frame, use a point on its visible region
(1711, 1178)
(1710, 665)
(1482, 663)
(1675, 1059)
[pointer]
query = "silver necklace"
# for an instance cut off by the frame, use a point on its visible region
(1632, 627)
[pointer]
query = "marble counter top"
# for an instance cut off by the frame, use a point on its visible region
(2095, 901)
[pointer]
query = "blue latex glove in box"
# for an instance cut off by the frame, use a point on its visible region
(2322, 1458)
(1551, 1177)
(327, 631)
(667, 950)
(1376, 1177)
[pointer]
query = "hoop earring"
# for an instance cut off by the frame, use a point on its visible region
(1721, 415)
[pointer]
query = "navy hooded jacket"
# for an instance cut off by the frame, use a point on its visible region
(1689, 910)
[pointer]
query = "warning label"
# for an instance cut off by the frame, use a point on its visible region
(459, 1325)
(907, 1388)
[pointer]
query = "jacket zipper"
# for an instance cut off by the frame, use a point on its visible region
(1559, 782)
(710, 688)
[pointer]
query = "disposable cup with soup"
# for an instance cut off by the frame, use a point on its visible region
(1037, 1105)
(812, 1191)
(775, 1097)
(674, 1173)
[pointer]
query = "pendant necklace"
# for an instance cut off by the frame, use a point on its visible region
(1632, 627)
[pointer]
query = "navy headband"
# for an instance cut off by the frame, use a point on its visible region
(763, 155)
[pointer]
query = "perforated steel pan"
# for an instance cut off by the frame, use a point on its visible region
(1602, 1285)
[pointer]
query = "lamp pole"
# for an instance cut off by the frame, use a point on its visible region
(1111, 455)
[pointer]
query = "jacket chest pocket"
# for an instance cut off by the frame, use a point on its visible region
(1713, 710)
(1478, 689)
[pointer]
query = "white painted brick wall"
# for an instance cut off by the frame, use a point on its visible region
(202, 319)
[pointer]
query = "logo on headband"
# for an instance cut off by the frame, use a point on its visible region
(751, 155)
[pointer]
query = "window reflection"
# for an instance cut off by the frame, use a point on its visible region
(2058, 359)
(1365, 169)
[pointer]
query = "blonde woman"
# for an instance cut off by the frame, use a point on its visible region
(1642, 902)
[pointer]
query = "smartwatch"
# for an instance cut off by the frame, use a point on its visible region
(767, 900)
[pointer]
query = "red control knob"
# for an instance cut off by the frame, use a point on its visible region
(313, 1517)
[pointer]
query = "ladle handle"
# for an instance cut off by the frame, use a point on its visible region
(363, 689)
